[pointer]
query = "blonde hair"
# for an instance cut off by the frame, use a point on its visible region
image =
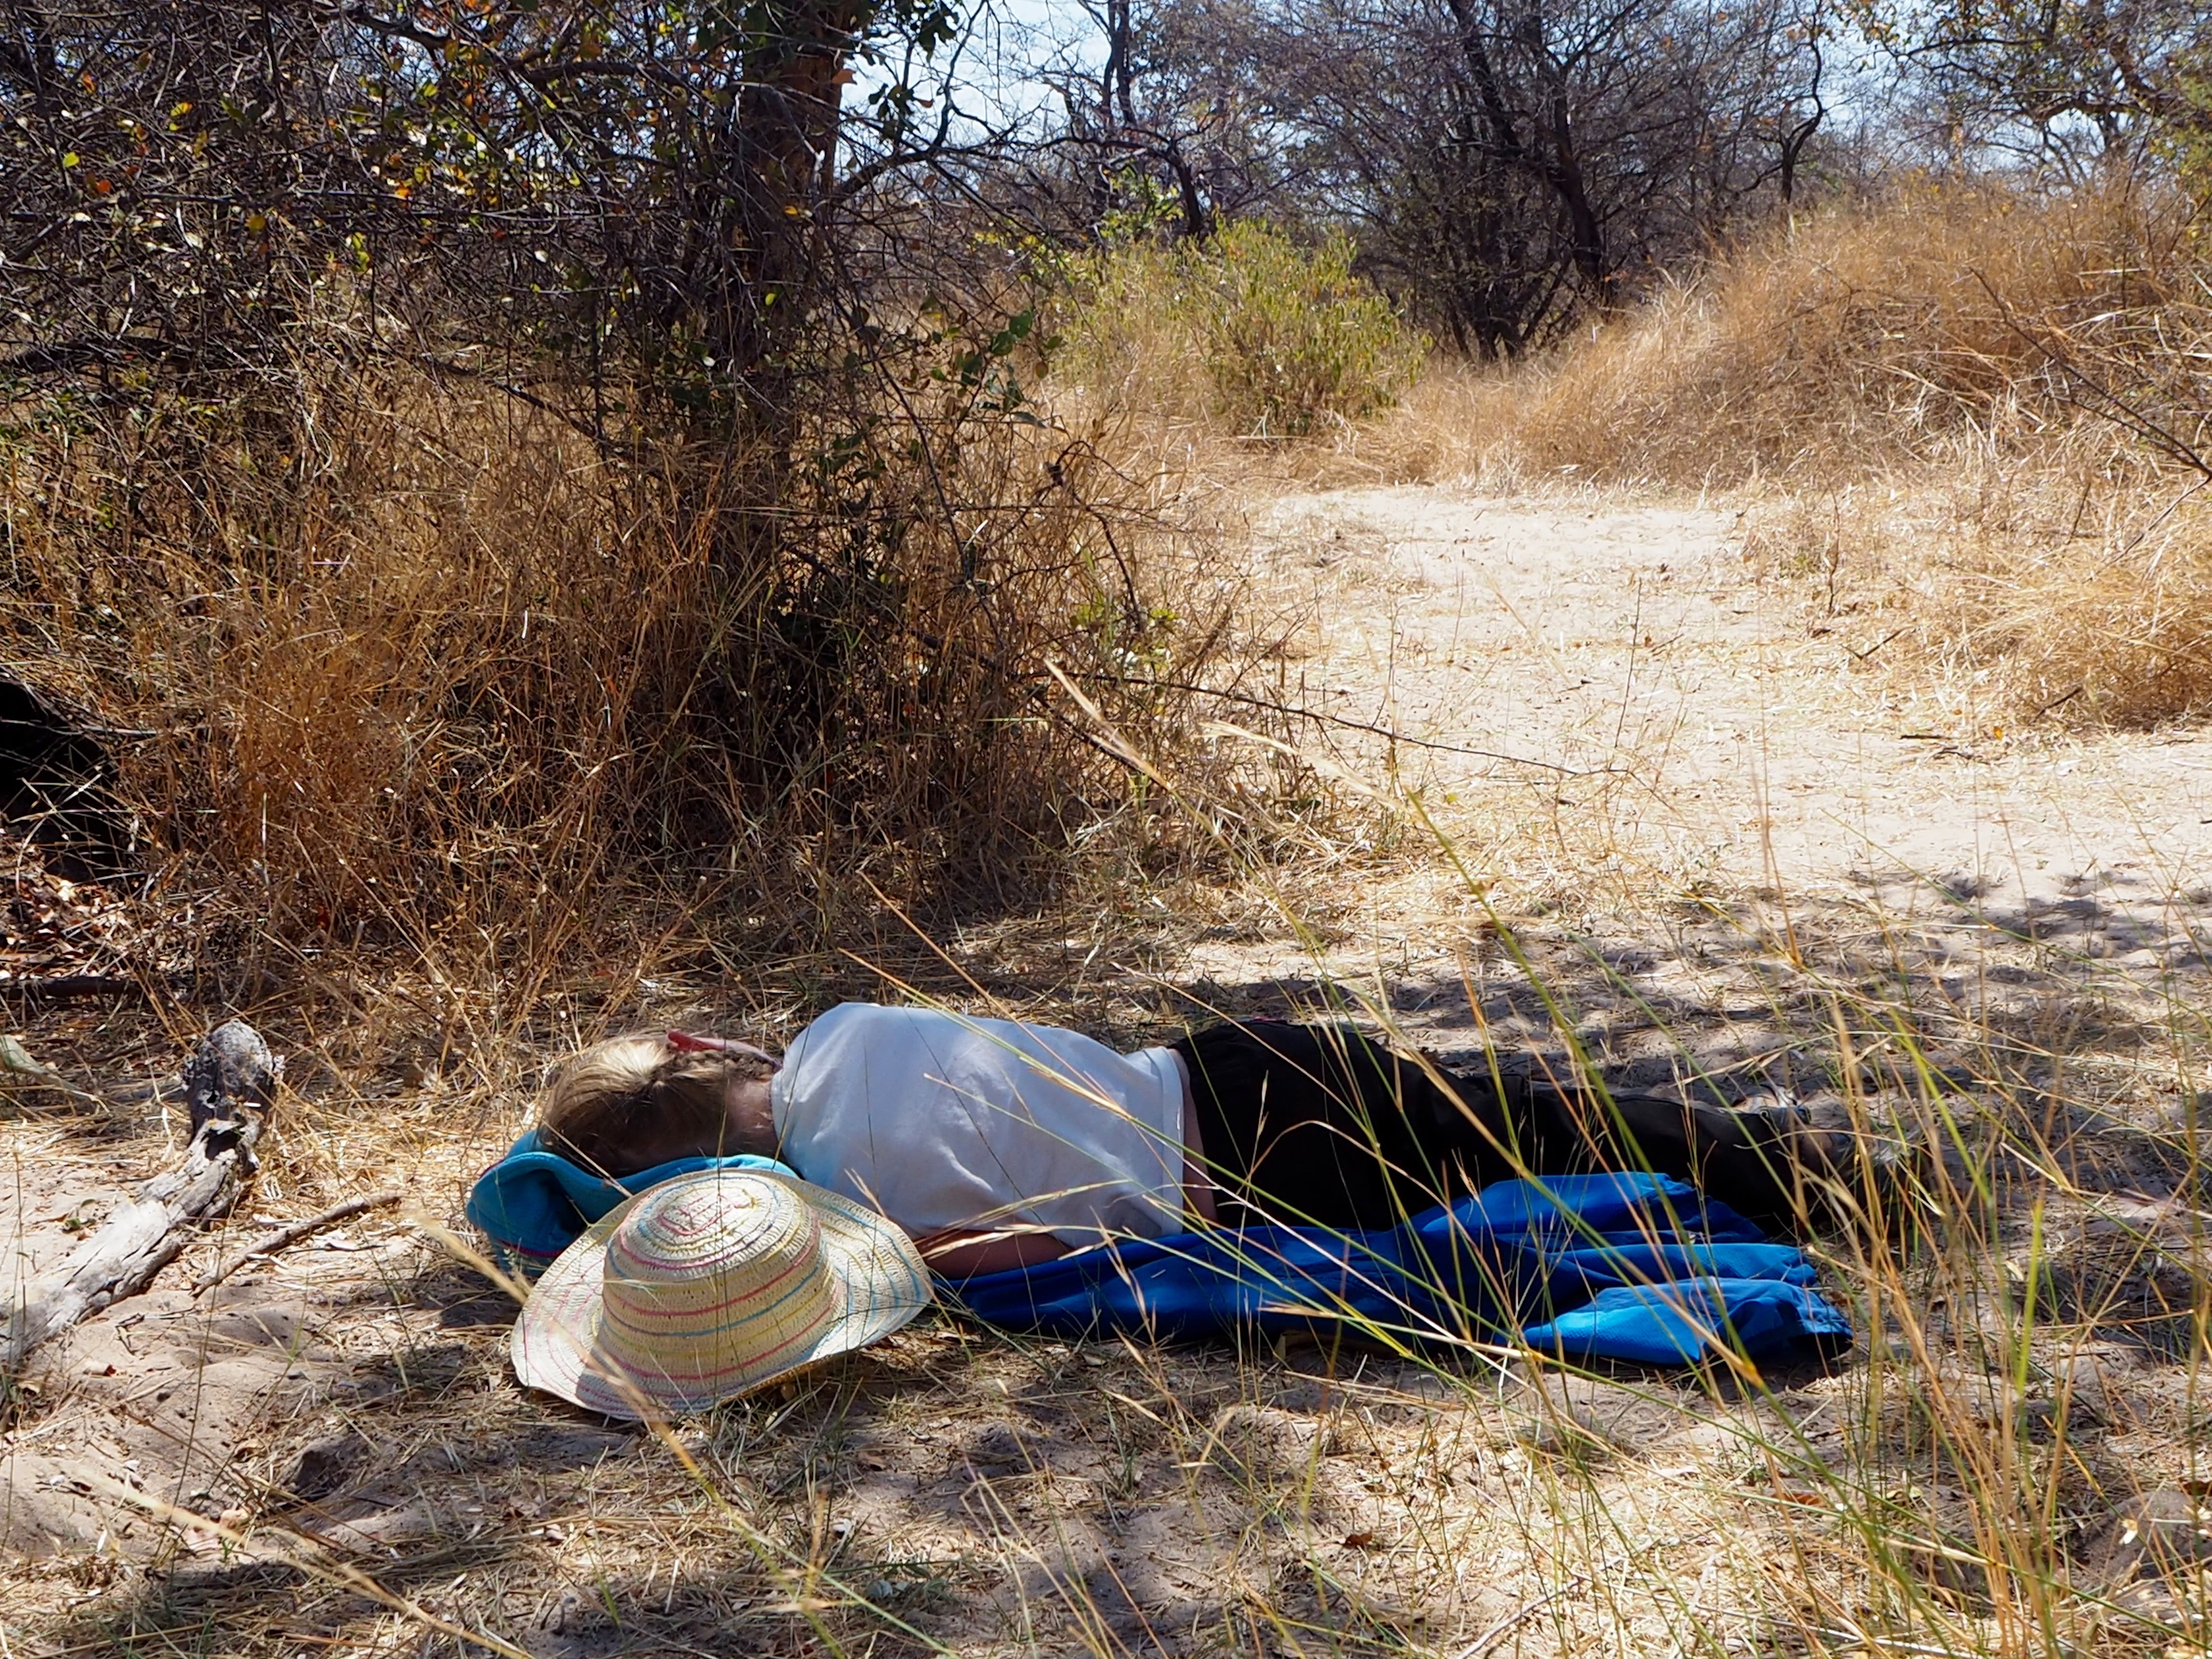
(632, 1102)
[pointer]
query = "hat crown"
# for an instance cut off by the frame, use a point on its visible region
(711, 1281)
(710, 1284)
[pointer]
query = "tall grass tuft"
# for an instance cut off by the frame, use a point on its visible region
(382, 650)
(1884, 335)
(1978, 407)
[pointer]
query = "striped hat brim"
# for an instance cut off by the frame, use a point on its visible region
(880, 1285)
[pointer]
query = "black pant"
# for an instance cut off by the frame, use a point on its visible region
(1317, 1124)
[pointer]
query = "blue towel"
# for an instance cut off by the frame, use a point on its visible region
(1608, 1266)
(1632, 1267)
(534, 1204)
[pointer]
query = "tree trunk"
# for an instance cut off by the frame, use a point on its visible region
(784, 143)
(774, 158)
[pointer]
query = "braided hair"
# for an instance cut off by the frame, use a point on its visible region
(632, 1102)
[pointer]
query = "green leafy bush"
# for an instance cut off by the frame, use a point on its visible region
(1247, 328)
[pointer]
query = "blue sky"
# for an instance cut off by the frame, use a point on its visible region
(993, 65)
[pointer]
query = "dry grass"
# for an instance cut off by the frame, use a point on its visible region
(2019, 598)
(438, 626)
(2025, 1366)
(1877, 338)
(1978, 409)
(390, 659)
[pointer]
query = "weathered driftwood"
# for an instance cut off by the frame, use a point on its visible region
(292, 1232)
(229, 1082)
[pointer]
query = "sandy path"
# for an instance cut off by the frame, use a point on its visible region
(1723, 735)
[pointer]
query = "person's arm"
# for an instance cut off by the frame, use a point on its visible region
(689, 1042)
(962, 1253)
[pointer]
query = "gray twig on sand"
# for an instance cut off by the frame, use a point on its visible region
(230, 1082)
(292, 1232)
(1488, 1639)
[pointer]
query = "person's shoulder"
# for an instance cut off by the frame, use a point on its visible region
(896, 1014)
(941, 1029)
(870, 1023)
(843, 1015)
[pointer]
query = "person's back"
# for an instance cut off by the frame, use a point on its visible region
(944, 1122)
(992, 1143)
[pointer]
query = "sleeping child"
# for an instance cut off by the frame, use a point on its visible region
(996, 1143)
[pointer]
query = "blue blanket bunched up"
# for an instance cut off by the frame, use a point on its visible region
(1631, 1267)
(1607, 1267)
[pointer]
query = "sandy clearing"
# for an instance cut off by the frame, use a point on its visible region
(1752, 748)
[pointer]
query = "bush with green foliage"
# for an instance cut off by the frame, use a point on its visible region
(1271, 338)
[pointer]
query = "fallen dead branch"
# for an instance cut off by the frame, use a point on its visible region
(230, 1082)
(292, 1232)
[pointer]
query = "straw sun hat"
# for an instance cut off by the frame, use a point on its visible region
(709, 1284)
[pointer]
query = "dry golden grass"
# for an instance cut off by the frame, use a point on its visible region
(437, 623)
(1979, 408)
(1866, 339)
(2023, 592)
(391, 659)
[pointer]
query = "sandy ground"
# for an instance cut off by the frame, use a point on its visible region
(1698, 777)
(1712, 728)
